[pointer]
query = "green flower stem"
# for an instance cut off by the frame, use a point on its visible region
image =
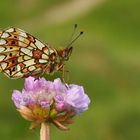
(45, 131)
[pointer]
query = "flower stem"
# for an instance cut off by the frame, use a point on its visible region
(45, 131)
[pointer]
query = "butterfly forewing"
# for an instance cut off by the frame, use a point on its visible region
(21, 54)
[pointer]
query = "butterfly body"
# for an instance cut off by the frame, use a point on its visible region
(22, 55)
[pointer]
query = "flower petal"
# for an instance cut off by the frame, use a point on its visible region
(77, 98)
(29, 83)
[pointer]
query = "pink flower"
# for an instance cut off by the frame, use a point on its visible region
(50, 101)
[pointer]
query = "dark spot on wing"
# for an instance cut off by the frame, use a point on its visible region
(10, 54)
(14, 68)
(10, 72)
(13, 42)
(13, 61)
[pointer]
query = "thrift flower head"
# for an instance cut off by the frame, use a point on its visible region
(46, 101)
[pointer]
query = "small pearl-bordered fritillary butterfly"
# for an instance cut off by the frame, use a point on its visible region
(22, 55)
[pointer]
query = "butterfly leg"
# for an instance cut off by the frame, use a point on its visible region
(44, 69)
(64, 71)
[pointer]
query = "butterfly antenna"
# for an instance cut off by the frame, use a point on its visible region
(75, 39)
(73, 32)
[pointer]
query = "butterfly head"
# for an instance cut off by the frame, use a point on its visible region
(65, 53)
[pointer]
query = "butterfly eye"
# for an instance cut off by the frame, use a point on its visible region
(64, 54)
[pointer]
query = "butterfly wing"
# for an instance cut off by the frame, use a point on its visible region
(21, 54)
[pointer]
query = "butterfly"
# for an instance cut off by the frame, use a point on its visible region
(23, 55)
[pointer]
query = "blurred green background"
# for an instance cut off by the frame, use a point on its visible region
(105, 60)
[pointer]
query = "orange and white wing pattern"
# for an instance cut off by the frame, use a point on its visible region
(21, 54)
